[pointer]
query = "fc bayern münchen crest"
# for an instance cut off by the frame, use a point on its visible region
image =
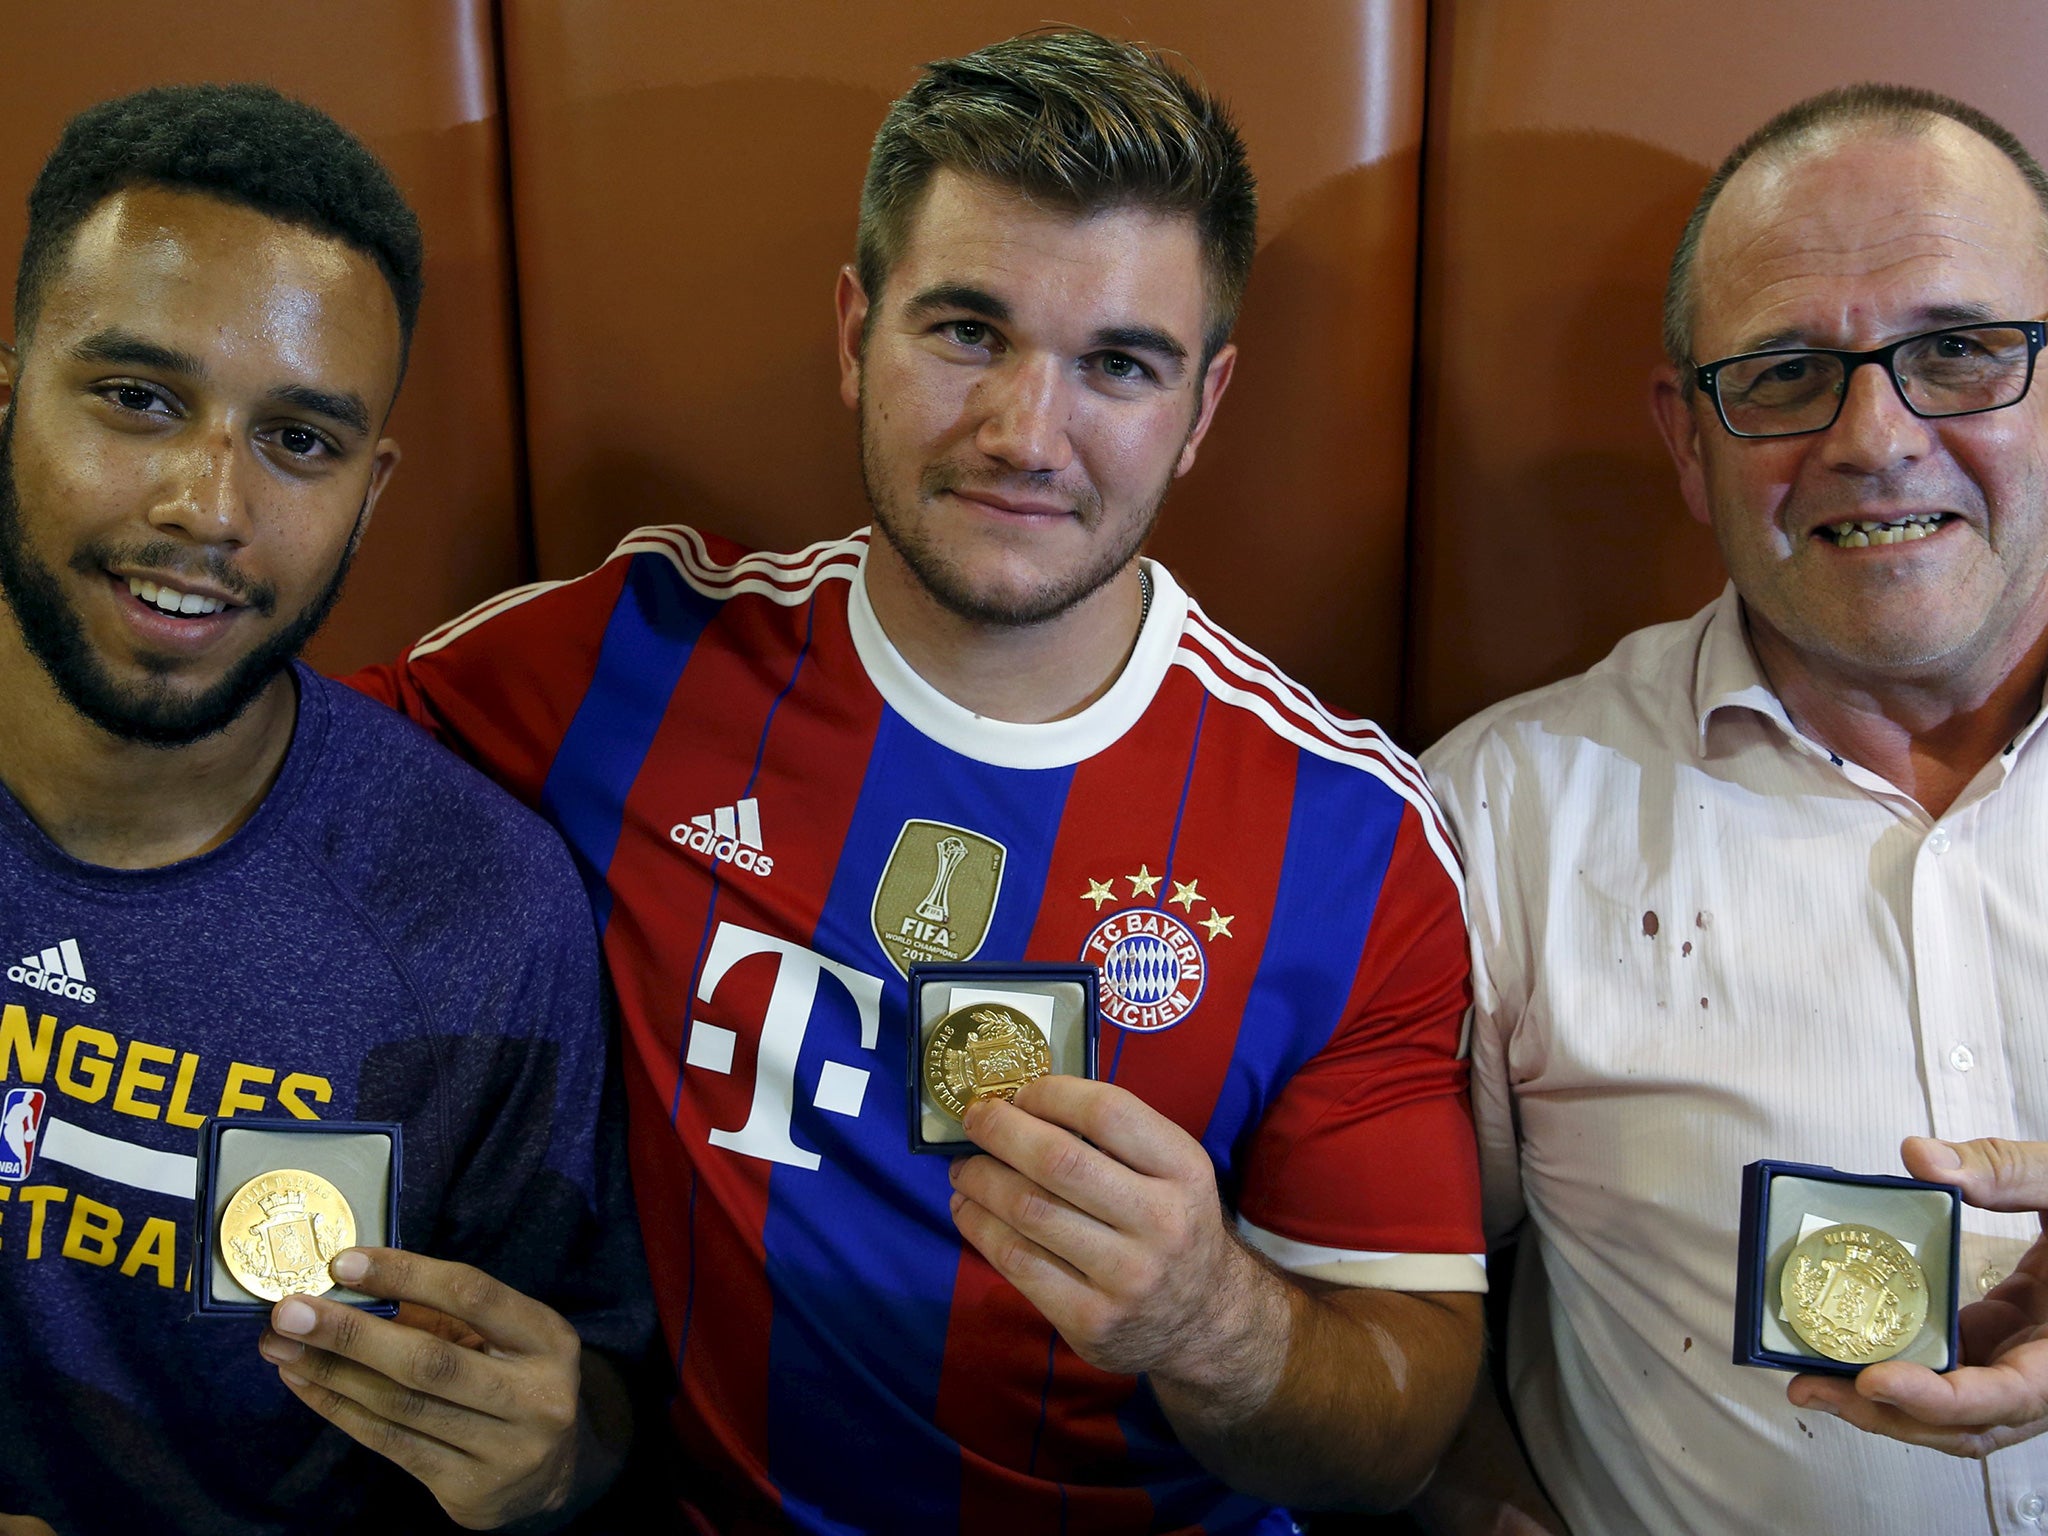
(1152, 968)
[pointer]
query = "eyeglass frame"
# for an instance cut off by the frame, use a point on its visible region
(1706, 376)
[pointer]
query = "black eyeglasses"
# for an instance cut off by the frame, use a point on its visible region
(1955, 372)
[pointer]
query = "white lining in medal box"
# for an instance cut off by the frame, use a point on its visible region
(1918, 1220)
(1058, 1008)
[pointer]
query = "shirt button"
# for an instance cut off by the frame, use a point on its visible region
(2029, 1506)
(1937, 840)
(1962, 1058)
(1986, 1282)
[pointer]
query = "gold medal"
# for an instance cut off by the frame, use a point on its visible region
(980, 1050)
(279, 1231)
(1854, 1294)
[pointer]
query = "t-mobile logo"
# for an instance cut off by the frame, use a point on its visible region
(841, 1088)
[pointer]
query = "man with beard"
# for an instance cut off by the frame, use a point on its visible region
(239, 890)
(1235, 1272)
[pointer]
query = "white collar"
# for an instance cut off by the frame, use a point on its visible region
(1005, 743)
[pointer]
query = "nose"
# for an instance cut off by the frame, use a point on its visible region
(1025, 415)
(205, 491)
(1875, 431)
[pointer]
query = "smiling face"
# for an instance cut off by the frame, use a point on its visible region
(189, 456)
(1853, 245)
(1029, 384)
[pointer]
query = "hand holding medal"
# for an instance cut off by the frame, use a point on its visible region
(1999, 1395)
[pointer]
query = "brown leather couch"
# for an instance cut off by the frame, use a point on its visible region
(1435, 482)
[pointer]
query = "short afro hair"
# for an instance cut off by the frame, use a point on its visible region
(245, 144)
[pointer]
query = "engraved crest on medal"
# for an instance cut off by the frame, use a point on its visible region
(980, 1051)
(1854, 1294)
(279, 1231)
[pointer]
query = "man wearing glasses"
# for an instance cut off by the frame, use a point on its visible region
(1769, 882)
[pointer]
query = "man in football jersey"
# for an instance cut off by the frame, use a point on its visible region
(238, 889)
(1830, 782)
(1236, 1272)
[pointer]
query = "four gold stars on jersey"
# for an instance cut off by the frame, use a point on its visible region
(1185, 895)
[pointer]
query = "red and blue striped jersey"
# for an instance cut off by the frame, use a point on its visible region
(756, 786)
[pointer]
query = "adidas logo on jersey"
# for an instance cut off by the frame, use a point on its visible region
(59, 969)
(731, 834)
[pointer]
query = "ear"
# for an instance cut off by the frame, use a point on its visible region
(851, 302)
(383, 462)
(1677, 413)
(1215, 380)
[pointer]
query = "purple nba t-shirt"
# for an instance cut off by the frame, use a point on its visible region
(389, 937)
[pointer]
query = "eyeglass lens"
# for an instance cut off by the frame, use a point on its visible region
(1947, 374)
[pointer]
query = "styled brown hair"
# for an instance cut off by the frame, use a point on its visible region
(1899, 109)
(1081, 123)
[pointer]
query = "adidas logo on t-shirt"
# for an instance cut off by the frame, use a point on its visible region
(59, 969)
(731, 834)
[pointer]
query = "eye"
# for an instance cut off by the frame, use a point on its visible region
(141, 399)
(968, 333)
(1123, 368)
(303, 442)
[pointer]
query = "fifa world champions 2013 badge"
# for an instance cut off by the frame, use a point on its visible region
(21, 1126)
(937, 894)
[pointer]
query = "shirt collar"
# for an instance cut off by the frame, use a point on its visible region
(1726, 674)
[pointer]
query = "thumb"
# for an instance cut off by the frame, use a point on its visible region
(1993, 1174)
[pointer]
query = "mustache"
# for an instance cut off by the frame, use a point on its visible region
(175, 560)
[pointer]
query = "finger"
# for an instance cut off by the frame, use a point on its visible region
(2013, 1392)
(422, 1361)
(1988, 1328)
(1048, 1281)
(412, 1315)
(1056, 1160)
(1838, 1396)
(24, 1525)
(1116, 1120)
(1994, 1174)
(436, 1418)
(508, 1321)
(426, 1458)
(1080, 1239)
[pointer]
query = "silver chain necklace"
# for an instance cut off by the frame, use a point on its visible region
(1144, 597)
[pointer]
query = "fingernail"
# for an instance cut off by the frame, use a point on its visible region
(350, 1266)
(956, 1202)
(293, 1377)
(1817, 1406)
(293, 1316)
(1941, 1155)
(279, 1351)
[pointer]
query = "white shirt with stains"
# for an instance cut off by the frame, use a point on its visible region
(1700, 939)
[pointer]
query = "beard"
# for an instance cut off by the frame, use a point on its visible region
(941, 575)
(152, 712)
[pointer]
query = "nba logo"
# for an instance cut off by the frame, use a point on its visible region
(21, 1121)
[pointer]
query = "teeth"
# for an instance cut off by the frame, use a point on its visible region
(166, 600)
(1854, 534)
